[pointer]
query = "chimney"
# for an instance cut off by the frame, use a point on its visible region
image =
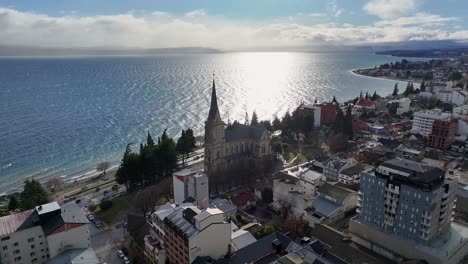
(276, 245)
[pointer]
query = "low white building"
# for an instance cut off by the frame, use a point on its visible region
(290, 193)
(460, 112)
(457, 98)
(423, 120)
(401, 106)
(37, 235)
(189, 183)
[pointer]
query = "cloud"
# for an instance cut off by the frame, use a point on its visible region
(334, 10)
(195, 13)
(158, 29)
(316, 14)
(390, 9)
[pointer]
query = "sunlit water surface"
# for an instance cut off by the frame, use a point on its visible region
(59, 116)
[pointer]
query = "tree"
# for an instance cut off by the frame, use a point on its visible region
(276, 124)
(267, 125)
(367, 95)
(254, 120)
(375, 96)
(103, 167)
(149, 140)
(455, 76)
(267, 195)
(180, 146)
(54, 184)
(145, 202)
(395, 90)
(32, 195)
(246, 119)
(13, 205)
(348, 124)
(360, 95)
(334, 100)
(422, 88)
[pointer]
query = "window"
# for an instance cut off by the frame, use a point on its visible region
(18, 258)
(31, 239)
(32, 254)
(5, 238)
(5, 247)
(16, 244)
(17, 251)
(33, 246)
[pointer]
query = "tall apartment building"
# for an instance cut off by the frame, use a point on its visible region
(37, 235)
(327, 113)
(443, 134)
(423, 120)
(189, 183)
(182, 232)
(404, 209)
(313, 110)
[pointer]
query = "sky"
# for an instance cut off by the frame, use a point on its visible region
(227, 24)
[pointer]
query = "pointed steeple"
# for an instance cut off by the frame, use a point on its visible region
(214, 111)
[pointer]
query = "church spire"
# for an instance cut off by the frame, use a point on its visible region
(214, 111)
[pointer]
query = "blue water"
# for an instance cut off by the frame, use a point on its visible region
(60, 116)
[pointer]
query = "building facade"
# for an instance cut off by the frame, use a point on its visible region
(334, 167)
(327, 113)
(188, 183)
(225, 147)
(443, 134)
(423, 120)
(37, 235)
(408, 199)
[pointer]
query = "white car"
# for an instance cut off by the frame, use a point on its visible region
(121, 254)
(125, 260)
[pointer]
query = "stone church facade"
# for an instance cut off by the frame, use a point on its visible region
(224, 147)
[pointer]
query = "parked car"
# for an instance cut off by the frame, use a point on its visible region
(120, 253)
(125, 260)
(115, 187)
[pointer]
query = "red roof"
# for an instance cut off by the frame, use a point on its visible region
(243, 197)
(365, 102)
(65, 227)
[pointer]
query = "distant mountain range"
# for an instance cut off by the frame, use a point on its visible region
(95, 51)
(441, 48)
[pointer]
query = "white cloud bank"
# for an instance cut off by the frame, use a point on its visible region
(389, 9)
(197, 28)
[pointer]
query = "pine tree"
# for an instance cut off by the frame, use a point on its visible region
(13, 205)
(422, 88)
(334, 100)
(367, 95)
(375, 96)
(360, 95)
(276, 123)
(254, 121)
(149, 140)
(348, 124)
(246, 119)
(395, 90)
(33, 195)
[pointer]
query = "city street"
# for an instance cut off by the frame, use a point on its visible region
(104, 242)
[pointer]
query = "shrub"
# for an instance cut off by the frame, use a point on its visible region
(92, 207)
(105, 205)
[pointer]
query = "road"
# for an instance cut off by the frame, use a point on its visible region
(104, 242)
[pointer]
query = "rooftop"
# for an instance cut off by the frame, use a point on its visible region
(47, 208)
(242, 238)
(242, 132)
(11, 223)
(75, 256)
(338, 193)
(324, 206)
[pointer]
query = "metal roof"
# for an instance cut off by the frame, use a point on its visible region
(75, 256)
(47, 208)
(242, 132)
(241, 239)
(324, 206)
(11, 223)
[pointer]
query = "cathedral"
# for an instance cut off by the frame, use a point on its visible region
(224, 147)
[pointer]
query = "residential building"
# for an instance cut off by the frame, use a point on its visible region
(460, 112)
(333, 168)
(279, 248)
(423, 120)
(442, 135)
(37, 235)
(229, 209)
(191, 232)
(327, 113)
(331, 204)
(313, 110)
(363, 105)
(189, 183)
(405, 211)
(291, 193)
(227, 147)
(457, 98)
(461, 210)
(350, 175)
(399, 107)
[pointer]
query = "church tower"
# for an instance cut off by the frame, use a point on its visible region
(214, 136)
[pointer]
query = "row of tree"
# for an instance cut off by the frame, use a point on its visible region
(154, 161)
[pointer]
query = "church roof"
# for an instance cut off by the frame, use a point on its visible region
(242, 132)
(214, 110)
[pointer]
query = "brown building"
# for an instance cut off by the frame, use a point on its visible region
(443, 133)
(327, 113)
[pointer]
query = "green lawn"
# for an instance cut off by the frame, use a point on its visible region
(120, 206)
